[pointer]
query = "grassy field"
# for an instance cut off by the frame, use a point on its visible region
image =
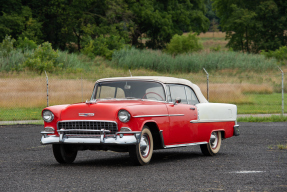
(24, 98)
(258, 104)
(23, 94)
(263, 104)
(213, 40)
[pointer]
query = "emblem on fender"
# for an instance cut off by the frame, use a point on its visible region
(86, 114)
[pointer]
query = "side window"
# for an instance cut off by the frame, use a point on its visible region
(177, 91)
(155, 93)
(191, 97)
(110, 92)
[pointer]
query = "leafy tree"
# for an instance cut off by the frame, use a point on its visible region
(20, 24)
(73, 23)
(210, 13)
(10, 6)
(160, 20)
(252, 26)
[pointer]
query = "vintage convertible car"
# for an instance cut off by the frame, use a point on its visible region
(139, 115)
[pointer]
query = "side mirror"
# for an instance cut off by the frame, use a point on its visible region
(177, 100)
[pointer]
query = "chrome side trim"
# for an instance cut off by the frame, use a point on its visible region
(212, 120)
(139, 116)
(161, 115)
(184, 145)
(179, 145)
(172, 115)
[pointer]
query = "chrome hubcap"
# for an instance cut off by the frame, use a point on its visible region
(144, 145)
(213, 140)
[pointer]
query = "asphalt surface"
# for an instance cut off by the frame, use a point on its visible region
(250, 162)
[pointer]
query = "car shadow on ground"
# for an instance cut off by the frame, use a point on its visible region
(123, 159)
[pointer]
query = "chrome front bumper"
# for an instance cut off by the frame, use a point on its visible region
(118, 138)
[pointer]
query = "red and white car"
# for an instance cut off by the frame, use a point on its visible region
(139, 115)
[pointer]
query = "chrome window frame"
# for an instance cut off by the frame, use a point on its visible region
(168, 85)
(143, 80)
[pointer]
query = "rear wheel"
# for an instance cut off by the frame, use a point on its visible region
(141, 153)
(64, 153)
(213, 146)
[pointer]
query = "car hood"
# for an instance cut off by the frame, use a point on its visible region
(105, 110)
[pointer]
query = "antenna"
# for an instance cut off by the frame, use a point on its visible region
(130, 73)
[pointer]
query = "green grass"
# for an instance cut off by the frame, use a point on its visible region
(278, 146)
(263, 104)
(15, 114)
(282, 147)
(273, 118)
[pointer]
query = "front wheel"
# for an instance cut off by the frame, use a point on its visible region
(64, 153)
(213, 146)
(141, 153)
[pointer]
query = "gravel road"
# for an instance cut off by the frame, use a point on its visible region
(250, 162)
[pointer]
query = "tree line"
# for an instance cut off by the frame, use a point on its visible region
(250, 26)
(65, 22)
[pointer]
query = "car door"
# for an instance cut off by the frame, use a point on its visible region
(180, 114)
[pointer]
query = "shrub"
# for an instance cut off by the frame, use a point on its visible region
(44, 58)
(104, 46)
(279, 54)
(12, 61)
(74, 61)
(183, 44)
(6, 46)
(89, 49)
(25, 44)
(216, 48)
(10, 58)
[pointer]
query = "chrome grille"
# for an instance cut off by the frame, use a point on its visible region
(81, 126)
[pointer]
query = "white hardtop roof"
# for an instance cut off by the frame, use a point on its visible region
(165, 80)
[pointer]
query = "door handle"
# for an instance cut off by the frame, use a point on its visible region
(192, 108)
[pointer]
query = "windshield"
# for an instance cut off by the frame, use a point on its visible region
(129, 90)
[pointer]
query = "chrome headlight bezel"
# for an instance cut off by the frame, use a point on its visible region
(48, 116)
(124, 116)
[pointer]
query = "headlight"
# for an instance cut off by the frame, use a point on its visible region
(124, 116)
(48, 116)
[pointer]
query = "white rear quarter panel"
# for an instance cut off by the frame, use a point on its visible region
(216, 112)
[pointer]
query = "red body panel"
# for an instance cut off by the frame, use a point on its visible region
(204, 130)
(181, 130)
(172, 120)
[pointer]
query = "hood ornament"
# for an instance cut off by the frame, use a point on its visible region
(91, 101)
(86, 114)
